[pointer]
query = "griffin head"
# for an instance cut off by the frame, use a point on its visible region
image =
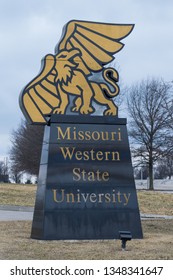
(65, 64)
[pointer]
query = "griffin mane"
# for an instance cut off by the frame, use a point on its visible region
(65, 72)
(65, 76)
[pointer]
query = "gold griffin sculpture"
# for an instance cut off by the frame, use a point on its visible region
(85, 48)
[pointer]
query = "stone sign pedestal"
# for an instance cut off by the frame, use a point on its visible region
(86, 187)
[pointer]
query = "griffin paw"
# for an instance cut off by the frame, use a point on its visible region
(86, 110)
(75, 109)
(110, 112)
(58, 111)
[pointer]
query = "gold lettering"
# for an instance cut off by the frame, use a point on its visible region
(90, 176)
(70, 195)
(88, 135)
(78, 155)
(96, 135)
(85, 196)
(65, 135)
(71, 133)
(70, 152)
(74, 133)
(119, 197)
(86, 155)
(107, 155)
(107, 198)
(55, 195)
(76, 173)
(115, 156)
(119, 134)
(93, 197)
(81, 135)
(114, 197)
(126, 198)
(92, 154)
(113, 136)
(99, 155)
(104, 135)
(60, 196)
(78, 196)
(67, 152)
(105, 176)
(100, 195)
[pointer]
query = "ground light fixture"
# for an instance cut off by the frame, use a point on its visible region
(124, 237)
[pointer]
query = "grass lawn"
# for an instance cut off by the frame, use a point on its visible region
(154, 202)
(15, 241)
(17, 244)
(13, 194)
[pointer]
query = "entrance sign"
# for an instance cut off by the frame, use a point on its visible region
(86, 187)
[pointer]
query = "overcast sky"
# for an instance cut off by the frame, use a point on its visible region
(30, 29)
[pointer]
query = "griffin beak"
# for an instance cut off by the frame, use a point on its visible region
(74, 53)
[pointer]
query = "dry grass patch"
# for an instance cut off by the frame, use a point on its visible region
(154, 202)
(16, 244)
(13, 194)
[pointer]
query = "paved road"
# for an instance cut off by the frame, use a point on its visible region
(15, 213)
(165, 186)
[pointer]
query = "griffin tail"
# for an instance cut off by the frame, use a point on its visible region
(111, 76)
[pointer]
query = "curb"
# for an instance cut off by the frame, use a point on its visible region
(155, 217)
(16, 208)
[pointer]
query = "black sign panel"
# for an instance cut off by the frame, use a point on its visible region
(86, 188)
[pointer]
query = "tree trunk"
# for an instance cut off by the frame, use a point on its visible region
(151, 184)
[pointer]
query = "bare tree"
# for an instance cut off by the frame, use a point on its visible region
(15, 174)
(26, 148)
(4, 171)
(164, 168)
(150, 112)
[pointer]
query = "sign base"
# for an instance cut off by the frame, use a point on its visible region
(86, 188)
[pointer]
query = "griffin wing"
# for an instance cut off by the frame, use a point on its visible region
(40, 96)
(97, 42)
